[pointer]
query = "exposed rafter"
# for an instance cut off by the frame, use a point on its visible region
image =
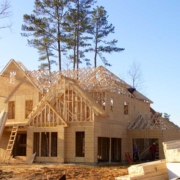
(155, 121)
(89, 79)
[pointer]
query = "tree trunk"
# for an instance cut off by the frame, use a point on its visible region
(77, 57)
(58, 36)
(96, 42)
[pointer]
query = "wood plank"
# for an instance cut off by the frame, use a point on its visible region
(148, 168)
(172, 155)
(3, 118)
(30, 159)
(153, 176)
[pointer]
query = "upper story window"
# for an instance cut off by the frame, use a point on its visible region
(28, 107)
(126, 107)
(11, 110)
(12, 77)
(111, 103)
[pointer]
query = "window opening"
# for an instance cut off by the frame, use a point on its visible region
(126, 107)
(54, 144)
(36, 141)
(28, 108)
(103, 101)
(111, 103)
(44, 144)
(11, 110)
(12, 77)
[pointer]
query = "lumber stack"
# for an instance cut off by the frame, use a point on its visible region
(172, 151)
(155, 170)
(172, 154)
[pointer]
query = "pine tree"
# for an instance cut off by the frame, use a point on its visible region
(45, 53)
(53, 12)
(37, 28)
(77, 23)
(101, 29)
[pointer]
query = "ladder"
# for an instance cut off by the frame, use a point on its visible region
(11, 143)
(128, 157)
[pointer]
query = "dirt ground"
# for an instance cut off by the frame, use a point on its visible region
(55, 171)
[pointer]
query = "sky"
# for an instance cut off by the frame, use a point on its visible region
(148, 30)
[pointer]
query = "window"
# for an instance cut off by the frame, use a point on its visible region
(11, 110)
(111, 103)
(80, 144)
(28, 108)
(54, 144)
(36, 140)
(125, 107)
(45, 144)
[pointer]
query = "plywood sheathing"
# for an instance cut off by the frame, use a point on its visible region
(14, 66)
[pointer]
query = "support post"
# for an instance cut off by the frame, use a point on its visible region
(109, 150)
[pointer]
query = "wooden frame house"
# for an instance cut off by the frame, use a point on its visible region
(87, 115)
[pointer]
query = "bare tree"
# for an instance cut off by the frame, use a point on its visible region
(135, 74)
(5, 13)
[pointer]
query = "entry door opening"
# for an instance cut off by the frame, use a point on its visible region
(104, 149)
(115, 149)
(20, 145)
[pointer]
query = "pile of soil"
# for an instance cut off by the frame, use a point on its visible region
(56, 171)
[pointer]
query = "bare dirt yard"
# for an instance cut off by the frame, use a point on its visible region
(55, 171)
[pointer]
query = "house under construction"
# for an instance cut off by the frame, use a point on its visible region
(85, 115)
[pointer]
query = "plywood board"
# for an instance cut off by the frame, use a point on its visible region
(30, 159)
(173, 155)
(3, 116)
(148, 168)
(173, 170)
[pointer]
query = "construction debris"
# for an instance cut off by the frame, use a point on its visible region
(45, 171)
(155, 170)
(3, 118)
(158, 170)
(30, 159)
(172, 154)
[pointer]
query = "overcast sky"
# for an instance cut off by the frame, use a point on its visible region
(149, 30)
